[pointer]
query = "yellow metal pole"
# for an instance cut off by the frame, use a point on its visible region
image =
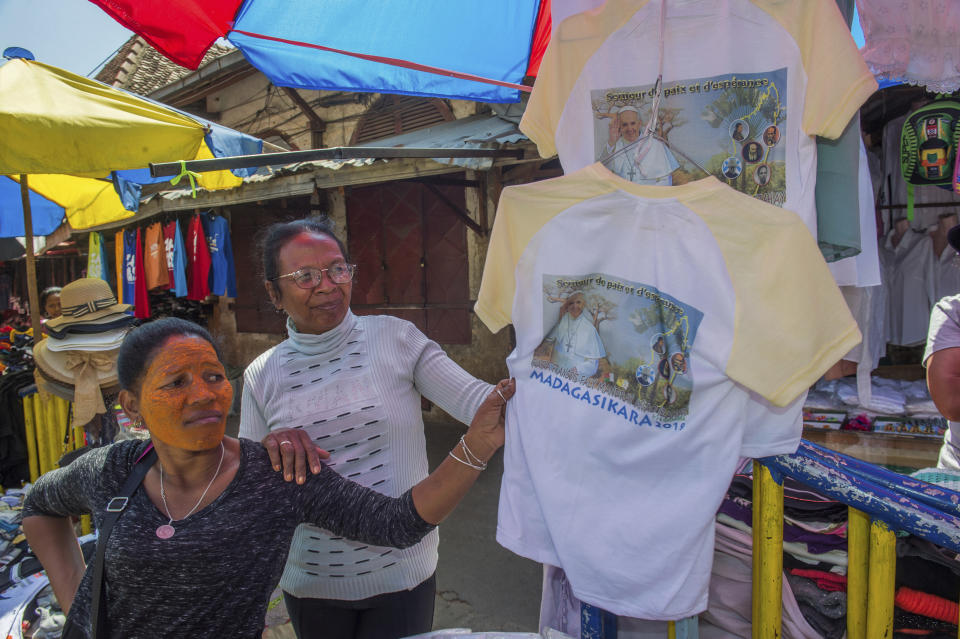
(85, 527)
(858, 558)
(43, 443)
(671, 630)
(767, 623)
(881, 581)
(63, 427)
(52, 438)
(755, 529)
(31, 433)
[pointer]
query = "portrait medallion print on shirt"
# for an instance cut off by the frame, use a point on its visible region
(609, 341)
(706, 126)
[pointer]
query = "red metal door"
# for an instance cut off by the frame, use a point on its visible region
(416, 250)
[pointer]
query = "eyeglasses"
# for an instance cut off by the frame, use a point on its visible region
(309, 277)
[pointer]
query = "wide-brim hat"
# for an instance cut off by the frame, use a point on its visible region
(67, 367)
(103, 324)
(103, 341)
(85, 300)
(66, 391)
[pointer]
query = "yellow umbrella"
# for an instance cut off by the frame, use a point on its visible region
(64, 131)
(54, 121)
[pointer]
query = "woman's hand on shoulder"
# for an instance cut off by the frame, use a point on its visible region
(292, 451)
(487, 433)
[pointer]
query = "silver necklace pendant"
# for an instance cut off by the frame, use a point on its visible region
(167, 530)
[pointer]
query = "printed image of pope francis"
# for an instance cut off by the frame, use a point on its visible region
(640, 160)
(573, 343)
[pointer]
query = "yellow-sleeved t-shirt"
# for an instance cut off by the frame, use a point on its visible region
(746, 86)
(662, 333)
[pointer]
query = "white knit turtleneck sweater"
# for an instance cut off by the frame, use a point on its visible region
(356, 389)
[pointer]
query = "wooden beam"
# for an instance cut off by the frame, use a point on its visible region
(444, 181)
(463, 215)
(317, 125)
(316, 121)
(32, 293)
(482, 192)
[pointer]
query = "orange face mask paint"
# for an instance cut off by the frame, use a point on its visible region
(185, 396)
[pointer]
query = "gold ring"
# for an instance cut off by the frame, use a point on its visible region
(286, 441)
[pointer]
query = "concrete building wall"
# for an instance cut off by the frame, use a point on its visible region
(255, 106)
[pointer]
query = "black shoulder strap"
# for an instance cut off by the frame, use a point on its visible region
(115, 508)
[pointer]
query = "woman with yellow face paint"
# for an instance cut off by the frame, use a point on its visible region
(202, 541)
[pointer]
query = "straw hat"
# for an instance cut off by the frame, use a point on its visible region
(67, 367)
(110, 322)
(89, 372)
(84, 301)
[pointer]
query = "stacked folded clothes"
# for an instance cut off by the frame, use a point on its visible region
(815, 566)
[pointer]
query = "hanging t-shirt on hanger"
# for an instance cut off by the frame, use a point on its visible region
(747, 84)
(198, 261)
(130, 238)
(223, 279)
(96, 265)
(910, 273)
(176, 258)
(650, 327)
(119, 250)
(141, 307)
(155, 258)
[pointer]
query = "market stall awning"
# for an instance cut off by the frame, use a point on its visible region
(84, 143)
(432, 48)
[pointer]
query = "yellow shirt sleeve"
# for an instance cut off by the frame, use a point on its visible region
(838, 80)
(522, 211)
(573, 43)
(791, 322)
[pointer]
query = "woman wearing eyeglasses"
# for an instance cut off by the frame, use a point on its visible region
(351, 386)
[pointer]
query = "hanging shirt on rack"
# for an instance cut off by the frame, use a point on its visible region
(130, 238)
(679, 369)
(747, 84)
(864, 269)
(119, 250)
(198, 261)
(176, 258)
(155, 258)
(223, 279)
(141, 307)
(96, 267)
(948, 273)
(910, 283)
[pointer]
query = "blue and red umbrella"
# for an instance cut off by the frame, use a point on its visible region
(469, 49)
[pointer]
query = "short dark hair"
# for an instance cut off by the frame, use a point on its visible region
(275, 236)
(140, 345)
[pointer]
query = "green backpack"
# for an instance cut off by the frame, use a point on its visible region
(928, 146)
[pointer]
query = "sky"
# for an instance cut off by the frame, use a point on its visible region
(75, 35)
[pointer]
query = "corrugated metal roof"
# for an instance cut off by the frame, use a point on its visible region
(474, 132)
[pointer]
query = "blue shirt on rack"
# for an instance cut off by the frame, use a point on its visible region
(223, 278)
